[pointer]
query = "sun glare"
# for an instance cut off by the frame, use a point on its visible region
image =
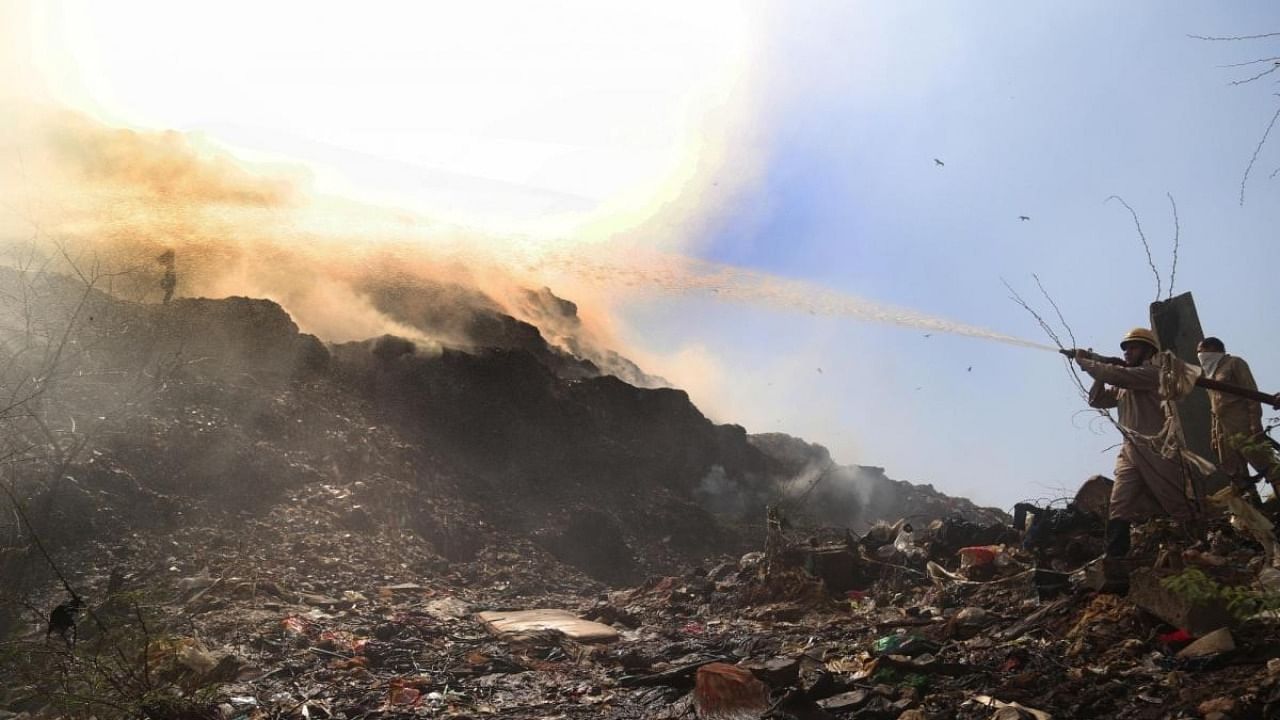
(526, 117)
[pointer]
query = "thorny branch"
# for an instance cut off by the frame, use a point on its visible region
(1045, 326)
(1256, 151)
(1251, 62)
(1235, 37)
(1048, 329)
(1177, 236)
(1071, 334)
(18, 508)
(1275, 61)
(1145, 246)
(1264, 73)
(1053, 335)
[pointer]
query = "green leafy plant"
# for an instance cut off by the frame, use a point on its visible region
(1257, 449)
(1193, 586)
(1242, 601)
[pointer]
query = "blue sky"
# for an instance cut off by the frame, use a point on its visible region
(1037, 109)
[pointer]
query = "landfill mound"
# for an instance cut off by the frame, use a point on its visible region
(261, 525)
(302, 612)
(199, 409)
(832, 489)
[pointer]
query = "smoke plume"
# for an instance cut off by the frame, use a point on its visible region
(121, 198)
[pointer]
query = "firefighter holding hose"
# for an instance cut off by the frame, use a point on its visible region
(1146, 483)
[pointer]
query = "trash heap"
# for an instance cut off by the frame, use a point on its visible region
(369, 532)
(291, 615)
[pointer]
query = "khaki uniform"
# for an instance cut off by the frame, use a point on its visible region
(1146, 484)
(1234, 415)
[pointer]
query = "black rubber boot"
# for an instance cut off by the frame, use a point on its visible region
(1118, 538)
(1115, 564)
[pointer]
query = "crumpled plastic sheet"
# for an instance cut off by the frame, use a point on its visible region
(1247, 518)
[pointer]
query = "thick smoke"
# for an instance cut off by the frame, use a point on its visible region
(344, 271)
(163, 167)
(721, 495)
(120, 199)
(837, 496)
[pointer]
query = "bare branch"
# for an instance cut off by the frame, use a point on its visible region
(35, 538)
(1045, 326)
(1075, 378)
(1145, 246)
(75, 266)
(1256, 151)
(1061, 319)
(1048, 330)
(53, 362)
(1177, 235)
(54, 445)
(1251, 62)
(1264, 73)
(1234, 37)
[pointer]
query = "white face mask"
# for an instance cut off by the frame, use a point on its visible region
(1209, 361)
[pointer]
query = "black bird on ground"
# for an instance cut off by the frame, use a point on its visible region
(62, 620)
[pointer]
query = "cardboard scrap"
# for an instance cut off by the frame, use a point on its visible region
(505, 624)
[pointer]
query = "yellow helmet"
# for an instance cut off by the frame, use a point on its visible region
(1142, 335)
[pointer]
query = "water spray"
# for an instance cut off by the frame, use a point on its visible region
(677, 274)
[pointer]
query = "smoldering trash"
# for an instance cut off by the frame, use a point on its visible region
(264, 525)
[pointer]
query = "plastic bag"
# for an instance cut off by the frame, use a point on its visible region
(980, 555)
(905, 543)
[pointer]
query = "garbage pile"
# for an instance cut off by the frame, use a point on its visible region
(369, 531)
(293, 616)
(209, 411)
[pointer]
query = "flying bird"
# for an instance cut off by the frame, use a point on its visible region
(970, 369)
(1024, 218)
(819, 371)
(928, 334)
(939, 163)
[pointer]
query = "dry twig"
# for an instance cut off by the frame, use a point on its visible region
(1251, 62)
(1256, 151)
(1056, 310)
(1145, 246)
(1177, 236)
(1234, 37)
(1262, 74)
